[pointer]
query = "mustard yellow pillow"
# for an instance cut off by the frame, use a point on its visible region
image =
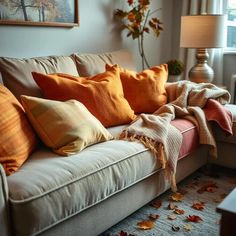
(102, 94)
(17, 138)
(145, 91)
(66, 127)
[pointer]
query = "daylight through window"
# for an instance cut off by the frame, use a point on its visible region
(231, 24)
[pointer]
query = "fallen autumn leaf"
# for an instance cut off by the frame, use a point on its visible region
(188, 227)
(208, 187)
(177, 197)
(179, 211)
(145, 224)
(157, 204)
(171, 206)
(194, 218)
(172, 217)
(175, 228)
(198, 206)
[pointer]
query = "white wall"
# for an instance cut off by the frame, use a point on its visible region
(98, 32)
(94, 33)
(229, 68)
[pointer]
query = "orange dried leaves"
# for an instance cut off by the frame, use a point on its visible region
(123, 233)
(194, 218)
(208, 187)
(179, 211)
(145, 224)
(198, 206)
(171, 206)
(177, 197)
(153, 217)
(157, 204)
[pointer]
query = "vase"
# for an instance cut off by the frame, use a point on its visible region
(174, 78)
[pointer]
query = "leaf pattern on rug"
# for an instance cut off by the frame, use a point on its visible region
(171, 206)
(194, 218)
(179, 211)
(188, 227)
(208, 187)
(156, 204)
(198, 205)
(123, 233)
(145, 225)
(177, 197)
(196, 201)
(153, 217)
(172, 217)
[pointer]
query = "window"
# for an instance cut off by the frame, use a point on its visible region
(231, 24)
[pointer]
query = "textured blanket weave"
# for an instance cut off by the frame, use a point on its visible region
(186, 100)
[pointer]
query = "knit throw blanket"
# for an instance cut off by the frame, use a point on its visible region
(186, 100)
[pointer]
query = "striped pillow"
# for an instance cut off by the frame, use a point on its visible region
(66, 127)
(17, 139)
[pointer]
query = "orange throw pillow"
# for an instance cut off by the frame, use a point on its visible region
(145, 91)
(101, 94)
(17, 139)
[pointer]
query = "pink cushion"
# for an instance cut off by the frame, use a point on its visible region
(190, 136)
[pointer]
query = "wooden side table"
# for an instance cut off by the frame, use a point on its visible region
(228, 215)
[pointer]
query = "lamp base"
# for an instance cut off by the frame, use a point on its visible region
(201, 72)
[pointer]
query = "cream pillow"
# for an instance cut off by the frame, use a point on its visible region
(66, 127)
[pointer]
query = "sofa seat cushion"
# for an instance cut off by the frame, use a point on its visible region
(220, 135)
(188, 130)
(49, 188)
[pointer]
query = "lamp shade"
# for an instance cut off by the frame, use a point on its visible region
(202, 31)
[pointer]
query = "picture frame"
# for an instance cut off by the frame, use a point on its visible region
(52, 13)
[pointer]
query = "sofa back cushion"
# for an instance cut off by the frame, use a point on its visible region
(92, 64)
(17, 139)
(102, 94)
(16, 73)
(67, 127)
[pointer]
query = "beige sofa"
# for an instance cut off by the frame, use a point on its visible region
(86, 193)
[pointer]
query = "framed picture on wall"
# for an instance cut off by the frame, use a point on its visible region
(39, 12)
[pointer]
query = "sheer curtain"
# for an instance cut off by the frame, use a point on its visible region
(193, 7)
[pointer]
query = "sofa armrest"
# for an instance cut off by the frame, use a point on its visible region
(1, 82)
(4, 213)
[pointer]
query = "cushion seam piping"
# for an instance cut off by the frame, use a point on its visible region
(77, 212)
(74, 180)
(185, 131)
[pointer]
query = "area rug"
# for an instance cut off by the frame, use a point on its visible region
(191, 211)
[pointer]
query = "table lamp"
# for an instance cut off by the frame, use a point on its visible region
(202, 32)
